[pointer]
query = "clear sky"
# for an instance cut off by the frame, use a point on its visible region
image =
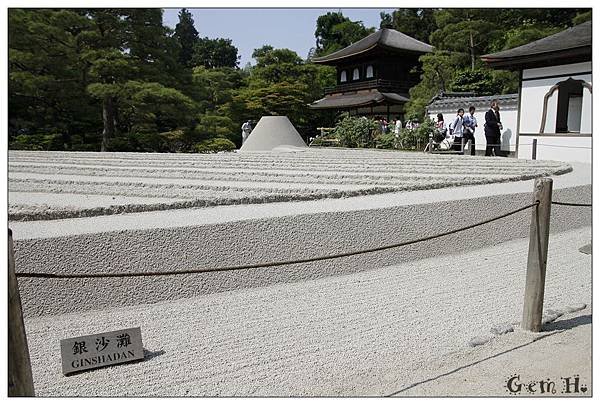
(282, 28)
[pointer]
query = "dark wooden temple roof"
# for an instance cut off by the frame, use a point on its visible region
(371, 98)
(569, 46)
(384, 38)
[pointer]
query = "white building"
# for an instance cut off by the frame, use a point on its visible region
(448, 104)
(555, 94)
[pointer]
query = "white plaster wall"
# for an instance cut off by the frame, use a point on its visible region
(533, 92)
(509, 123)
(586, 116)
(562, 148)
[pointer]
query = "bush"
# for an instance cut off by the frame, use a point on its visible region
(120, 144)
(386, 141)
(418, 137)
(38, 142)
(355, 132)
(214, 145)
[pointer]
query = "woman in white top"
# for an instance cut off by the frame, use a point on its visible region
(456, 129)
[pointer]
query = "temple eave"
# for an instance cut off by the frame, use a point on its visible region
(357, 100)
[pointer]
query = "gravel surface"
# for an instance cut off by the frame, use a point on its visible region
(562, 350)
(158, 182)
(368, 333)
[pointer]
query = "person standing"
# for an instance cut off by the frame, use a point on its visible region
(246, 129)
(457, 129)
(470, 123)
(397, 129)
(492, 129)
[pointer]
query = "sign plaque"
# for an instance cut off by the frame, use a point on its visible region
(103, 349)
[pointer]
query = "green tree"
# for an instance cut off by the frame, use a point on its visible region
(418, 23)
(216, 86)
(437, 72)
(335, 31)
(483, 81)
(386, 20)
(187, 36)
(46, 74)
(465, 30)
(215, 53)
(109, 65)
(281, 83)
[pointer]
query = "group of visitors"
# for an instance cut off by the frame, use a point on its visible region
(462, 130)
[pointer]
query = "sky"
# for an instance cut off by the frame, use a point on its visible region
(282, 28)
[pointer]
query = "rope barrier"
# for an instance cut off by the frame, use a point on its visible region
(571, 204)
(273, 264)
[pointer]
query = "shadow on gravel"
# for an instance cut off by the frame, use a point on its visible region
(568, 323)
(476, 362)
(148, 355)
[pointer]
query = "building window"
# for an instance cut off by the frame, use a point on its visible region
(569, 104)
(369, 71)
(355, 74)
(343, 77)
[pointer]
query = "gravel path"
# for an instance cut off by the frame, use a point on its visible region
(159, 182)
(562, 350)
(367, 333)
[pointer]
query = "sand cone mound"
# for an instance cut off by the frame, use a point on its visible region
(273, 132)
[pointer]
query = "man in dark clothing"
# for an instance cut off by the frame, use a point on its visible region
(492, 129)
(470, 123)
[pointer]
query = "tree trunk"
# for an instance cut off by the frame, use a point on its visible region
(472, 49)
(108, 119)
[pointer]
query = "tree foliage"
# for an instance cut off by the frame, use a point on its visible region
(335, 31)
(215, 53)
(418, 23)
(186, 35)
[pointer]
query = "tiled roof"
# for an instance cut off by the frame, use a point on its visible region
(386, 37)
(357, 100)
(444, 103)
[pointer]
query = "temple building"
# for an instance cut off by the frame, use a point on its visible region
(374, 74)
(555, 94)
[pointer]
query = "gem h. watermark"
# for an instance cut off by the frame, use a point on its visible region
(545, 386)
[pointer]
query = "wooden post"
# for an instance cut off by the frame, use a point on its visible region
(20, 381)
(533, 304)
(534, 149)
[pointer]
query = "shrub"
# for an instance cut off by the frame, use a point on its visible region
(413, 138)
(356, 132)
(386, 141)
(120, 144)
(215, 145)
(38, 142)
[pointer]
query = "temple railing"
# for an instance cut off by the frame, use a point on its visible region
(371, 84)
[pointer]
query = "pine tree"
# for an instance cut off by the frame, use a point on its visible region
(187, 36)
